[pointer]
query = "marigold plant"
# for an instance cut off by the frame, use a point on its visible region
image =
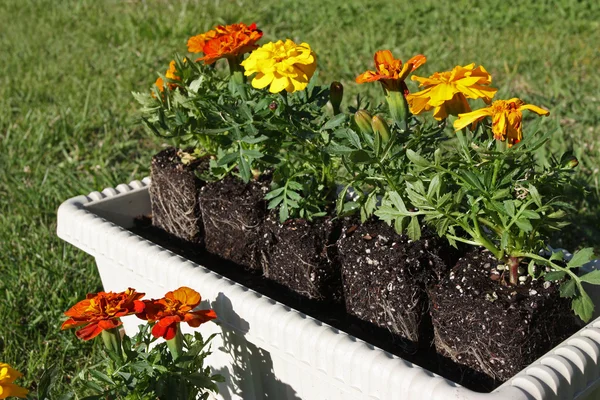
(8, 388)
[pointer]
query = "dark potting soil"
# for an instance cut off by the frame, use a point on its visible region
(174, 195)
(302, 256)
(233, 213)
(385, 275)
(490, 329)
(330, 313)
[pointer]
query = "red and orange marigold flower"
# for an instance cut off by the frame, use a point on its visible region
(507, 116)
(225, 41)
(172, 309)
(102, 311)
(391, 72)
(447, 92)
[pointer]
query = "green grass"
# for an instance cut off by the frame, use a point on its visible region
(68, 123)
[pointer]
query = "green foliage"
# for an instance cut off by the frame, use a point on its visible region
(148, 372)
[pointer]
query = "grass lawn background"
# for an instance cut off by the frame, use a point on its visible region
(69, 125)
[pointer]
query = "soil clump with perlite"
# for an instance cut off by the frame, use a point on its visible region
(302, 256)
(174, 193)
(388, 281)
(233, 212)
(385, 276)
(492, 330)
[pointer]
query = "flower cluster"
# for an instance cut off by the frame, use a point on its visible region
(135, 367)
(102, 311)
(479, 183)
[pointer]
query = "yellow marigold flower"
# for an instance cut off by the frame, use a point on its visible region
(506, 118)
(390, 71)
(8, 375)
(447, 92)
(283, 65)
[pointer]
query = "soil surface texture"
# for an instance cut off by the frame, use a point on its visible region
(174, 195)
(233, 212)
(302, 256)
(384, 279)
(493, 330)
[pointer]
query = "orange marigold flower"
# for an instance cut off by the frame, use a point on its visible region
(172, 309)
(390, 71)
(170, 74)
(506, 118)
(8, 388)
(225, 42)
(447, 92)
(101, 311)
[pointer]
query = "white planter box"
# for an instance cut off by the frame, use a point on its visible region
(267, 350)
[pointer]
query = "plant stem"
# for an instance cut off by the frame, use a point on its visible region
(112, 341)
(175, 345)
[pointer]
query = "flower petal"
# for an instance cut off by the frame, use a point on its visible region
(535, 109)
(468, 118)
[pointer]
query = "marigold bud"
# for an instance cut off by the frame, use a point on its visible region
(273, 106)
(336, 93)
(362, 119)
(569, 161)
(381, 127)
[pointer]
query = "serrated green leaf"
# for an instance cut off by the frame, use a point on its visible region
(414, 229)
(274, 193)
(504, 240)
(416, 158)
(293, 195)
(554, 275)
(101, 377)
(353, 138)
(434, 186)
(581, 257)
(592, 277)
(360, 157)
(252, 153)
(397, 201)
(294, 185)
(531, 268)
(339, 205)
(524, 225)
(567, 288)
(254, 140)
(334, 148)
(529, 214)
(557, 255)
(509, 206)
(244, 167)
(535, 195)
(334, 122)
(350, 207)
(583, 306)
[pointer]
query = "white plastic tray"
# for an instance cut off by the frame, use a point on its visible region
(267, 350)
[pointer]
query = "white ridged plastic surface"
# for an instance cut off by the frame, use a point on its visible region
(267, 350)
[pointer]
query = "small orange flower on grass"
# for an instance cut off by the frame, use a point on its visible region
(227, 41)
(101, 311)
(447, 92)
(174, 308)
(506, 115)
(390, 71)
(8, 375)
